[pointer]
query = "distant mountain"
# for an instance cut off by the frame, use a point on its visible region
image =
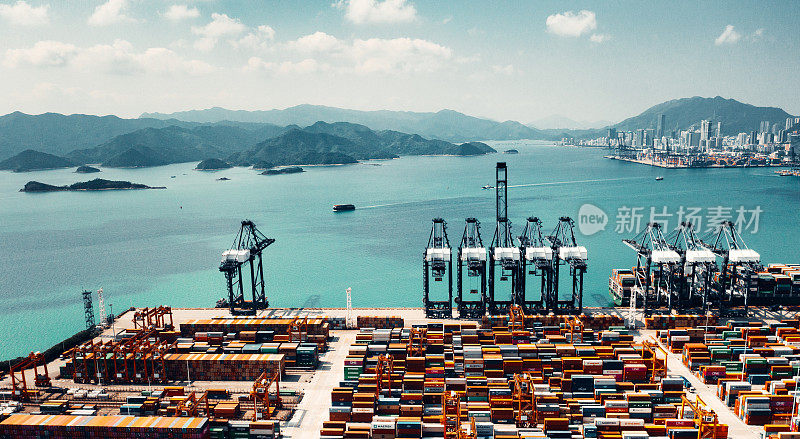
(736, 117)
(300, 147)
(30, 160)
(264, 146)
(558, 122)
(59, 134)
(444, 125)
(162, 146)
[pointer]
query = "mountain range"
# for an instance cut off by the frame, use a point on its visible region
(682, 114)
(448, 125)
(156, 138)
(261, 145)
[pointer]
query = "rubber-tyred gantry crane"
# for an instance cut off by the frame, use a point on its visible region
(246, 249)
(260, 394)
(18, 381)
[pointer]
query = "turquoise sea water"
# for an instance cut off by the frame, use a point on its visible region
(153, 247)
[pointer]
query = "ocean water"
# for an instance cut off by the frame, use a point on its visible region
(152, 247)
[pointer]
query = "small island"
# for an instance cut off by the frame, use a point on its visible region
(289, 170)
(511, 151)
(212, 165)
(223, 179)
(86, 170)
(97, 184)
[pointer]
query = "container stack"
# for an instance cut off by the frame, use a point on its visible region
(222, 367)
(598, 388)
(66, 426)
(379, 322)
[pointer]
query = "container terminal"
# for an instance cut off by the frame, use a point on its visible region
(508, 350)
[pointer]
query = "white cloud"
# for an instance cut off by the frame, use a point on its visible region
(110, 12)
(118, 58)
(42, 54)
(181, 12)
(257, 40)
(728, 36)
(598, 38)
(320, 51)
(377, 11)
(316, 42)
(23, 14)
(221, 26)
(305, 66)
(398, 54)
(570, 24)
(508, 69)
(757, 35)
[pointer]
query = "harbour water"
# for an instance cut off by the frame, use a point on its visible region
(152, 247)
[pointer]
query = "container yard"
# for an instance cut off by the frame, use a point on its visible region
(396, 373)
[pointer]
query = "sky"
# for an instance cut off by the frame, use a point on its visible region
(504, 60)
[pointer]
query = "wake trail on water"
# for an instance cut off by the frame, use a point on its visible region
(551, 183)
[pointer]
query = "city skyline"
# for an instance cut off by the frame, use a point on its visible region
(581, 60)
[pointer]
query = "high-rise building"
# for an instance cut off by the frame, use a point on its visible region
(719, 129)
(764, 127)
(789, 123)
(705, 128)
(661, 126)
(741, 139)
(753, 138)
(693, 138)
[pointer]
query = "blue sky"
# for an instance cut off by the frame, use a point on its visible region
(502, 60)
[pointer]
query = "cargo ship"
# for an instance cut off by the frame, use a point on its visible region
(343, 207)
(620, 285)
(776, 284)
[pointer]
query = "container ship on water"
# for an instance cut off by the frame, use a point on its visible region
(777, 284)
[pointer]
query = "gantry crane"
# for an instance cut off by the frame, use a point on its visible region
(472, 256)
(504, 255)
(696, 269)
(739, 268)
(452, 416)
(298, 329)
(191, 405)
(383, 374)
(655, 286)
(18, 381)
(246, 249)
(437, 264)
(523, 399)
(260, 394)
(516, 318)
(416, 342)
(566, 251)
(160, 318)
(537, 262)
